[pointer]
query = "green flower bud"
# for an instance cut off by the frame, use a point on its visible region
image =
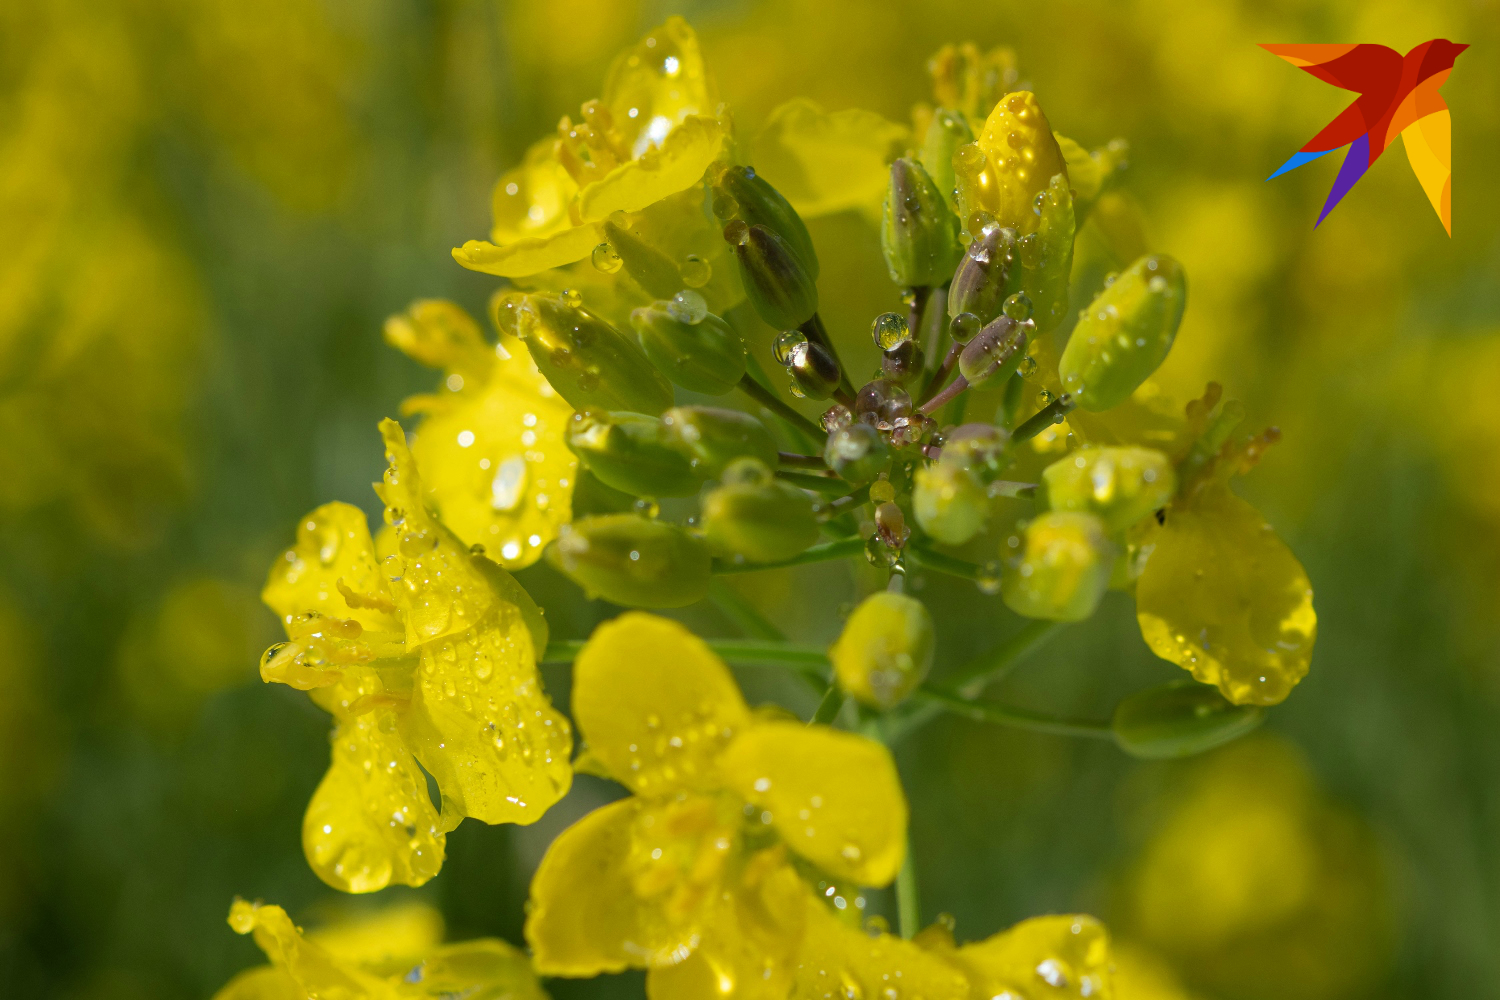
(741, 193)
(1125, 333)
(586, 360)
(949, 501)
(712, 438)
(857, 453)
(814, 369)
(977, 447)
(1063, 568)
(984, 276)
(1179, 719)
(776, 282)
(1120, 485)
(885, 650)
(653, 270)
(945, 133)
(995, 352)
(630, 452)
(707, 356)
(634, 562)
(591, 496)
(1047, 255)
(757, 517)
(918, 231)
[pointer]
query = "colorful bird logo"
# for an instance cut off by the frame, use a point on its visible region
(1398, 95)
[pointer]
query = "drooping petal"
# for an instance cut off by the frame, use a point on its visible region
(370, 823)
(332, 571)
(826, 162)
(1223, 597)
(684, 155)
(834, 797)
(655, 704)
(657, 84)
(312, 968)
(495, 465)
(529, 254)
(840, 961)
(1045, 958)
(586, 914)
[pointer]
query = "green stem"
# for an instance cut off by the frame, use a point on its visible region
(935, 560)
(793, 461)
(818, 553)
(1016, 718)
(828, 708)
(827, 485)
(767, 398)
(740, 611)
(997, 661)
(1039, 421)
(908, 903)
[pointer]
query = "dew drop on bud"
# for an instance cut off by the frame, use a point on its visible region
(1043, 397)
(988, 578)
(837, 417)
(687, 306)
(1027, 368)
(786, 342)
(647, 508)
(964, 326)
(1109, 279)
(1018, 307)
(1038, 202)
(796, 390)
(696, 271)
(890, 331)
(1157, 284)
(605, 259)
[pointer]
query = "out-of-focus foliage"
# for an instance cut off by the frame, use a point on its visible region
(210, 208)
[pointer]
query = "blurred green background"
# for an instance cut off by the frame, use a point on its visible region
(207, 208)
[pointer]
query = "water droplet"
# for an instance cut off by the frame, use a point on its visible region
(1038, 202)
(696, 271)
(837, 417)
(1157, 284)
(988, 580)
(1027, 367)
(796, 390)
(687, 306)
(573, 297)
(787, 341)
(1018, 307)
(509, 484)
(606, 259)
(1043, 397)
(964, 326)
(890, 331)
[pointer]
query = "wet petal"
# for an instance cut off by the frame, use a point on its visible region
(826, 162)
(391, 939)
(834, 797)
(483, 969)
(680, 162)
(532, 199)
(266, 982)
(495, 465)
(529, 254)
(840, 961)
(586, 915)
(1017, 155)
(1223, 597)
(370, 823)
(656, 84)
(332, 562)
(655, 704)
(1044, 958)
(312, 968)
(440, 334)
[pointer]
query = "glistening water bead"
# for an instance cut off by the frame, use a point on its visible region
(964, 326)
(890, 331)
(696, 271)
(785, 343)
(606, 259)
(688, 306)
(1018, 307)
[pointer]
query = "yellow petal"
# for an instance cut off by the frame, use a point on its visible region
(441, 334)
(371, 823)
(752, 933)
(314, 970)
(1223, 597)
(684, 155)
(656, 84)
(391, 939)
(529, 254)
(495, 465)
(1012, 161)
(1044, 958)
(532, 199)
(266, 982)
(333, 547)
(828, 162)
(585, 916)
(839, 962)
(834, 797)
(483, 969)
(655, 704)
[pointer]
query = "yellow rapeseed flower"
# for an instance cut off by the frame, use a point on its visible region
(490, 444)
(691, 877)
(427, 655)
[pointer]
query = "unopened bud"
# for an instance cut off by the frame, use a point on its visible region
(586, 360)
(712, 438)
(903, 363)
(1063, 568)
(814, 369)
(918, 231)
(998, 176)
(857, 452)
(630, 452)
(741, 193)
(653, 270)
(995, 352)
(1179, 719)
(707, 356)
(1047, 255)
(885, 650)
(1124, 334)
(754, 516)
(945, 133)
(985, 275)
(634, 562)
(1121, 485)
(777, 283)
(949, 501)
